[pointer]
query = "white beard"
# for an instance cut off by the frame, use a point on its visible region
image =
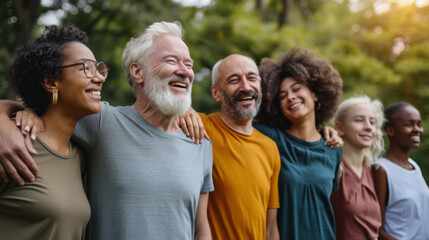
(158, 93)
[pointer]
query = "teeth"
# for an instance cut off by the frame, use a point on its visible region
(295, 105)
(179, 84)
(95, 93)
(415, 138)
(246, 98)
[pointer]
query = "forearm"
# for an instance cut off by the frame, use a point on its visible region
(8, 107)
(202, 227)
(272, 231)
(203, 235)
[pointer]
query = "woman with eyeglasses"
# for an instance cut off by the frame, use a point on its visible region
(57, 76)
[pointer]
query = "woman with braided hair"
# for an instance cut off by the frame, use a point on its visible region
(300, 92)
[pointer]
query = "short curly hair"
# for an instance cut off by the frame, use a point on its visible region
(316, 73)
(40, 59)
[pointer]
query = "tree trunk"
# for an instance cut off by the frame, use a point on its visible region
(283, 17)
(260, 8)
(26, 13)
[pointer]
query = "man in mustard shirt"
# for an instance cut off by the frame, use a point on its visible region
(246, 163)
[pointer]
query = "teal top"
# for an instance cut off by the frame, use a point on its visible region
(308, 175)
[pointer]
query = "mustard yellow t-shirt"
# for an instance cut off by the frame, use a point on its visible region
(245, 176)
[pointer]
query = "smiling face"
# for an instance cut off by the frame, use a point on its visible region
(406, 129)
(78, 93)
(238, 87)
(296, 100)
(169, 75)
(358, 128)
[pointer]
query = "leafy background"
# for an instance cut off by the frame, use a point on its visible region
(380, 47)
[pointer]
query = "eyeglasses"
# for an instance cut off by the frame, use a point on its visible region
(90, 67)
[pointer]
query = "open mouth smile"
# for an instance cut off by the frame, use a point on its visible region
(178, 84)
(294, 106)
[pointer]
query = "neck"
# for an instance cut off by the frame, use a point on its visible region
(305, 130)
(155, 117)
(58, 129)
(353, 156)
(240, 125)
(397, 154)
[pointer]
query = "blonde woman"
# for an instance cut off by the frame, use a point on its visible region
(358, 121)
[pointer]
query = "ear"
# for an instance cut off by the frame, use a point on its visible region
(49, 84)
(216, 93)
(315, 98)
(340, 128)
(390, 131)
(137, 72)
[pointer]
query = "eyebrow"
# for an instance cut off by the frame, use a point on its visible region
(238, 75)
(177, 57)
(290, 86)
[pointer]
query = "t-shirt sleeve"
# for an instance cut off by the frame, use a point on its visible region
(208, 125)
(208, 166)
(87, 130)
(274, 201)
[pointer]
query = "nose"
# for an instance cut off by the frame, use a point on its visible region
(367, 125)
(185, 72)
(290, 95)
(417, 128)
(98, 78)
(245, 85)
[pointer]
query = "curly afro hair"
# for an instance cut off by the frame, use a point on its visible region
(315, 73)
(42, 59)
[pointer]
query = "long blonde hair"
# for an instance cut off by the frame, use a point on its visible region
(377, 147)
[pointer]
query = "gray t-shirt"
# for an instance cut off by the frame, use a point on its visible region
(143, 183)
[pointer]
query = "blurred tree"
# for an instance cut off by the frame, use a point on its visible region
(17, 22)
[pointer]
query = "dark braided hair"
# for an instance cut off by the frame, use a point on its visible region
(42, 59)
(315, 73)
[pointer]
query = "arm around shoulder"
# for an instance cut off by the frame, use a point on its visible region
(15, 149)
(9, 107)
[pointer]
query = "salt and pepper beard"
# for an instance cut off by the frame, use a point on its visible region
(232, 104)
(156, 89)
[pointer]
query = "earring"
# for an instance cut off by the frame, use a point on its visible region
(55, 97)
(318, 105)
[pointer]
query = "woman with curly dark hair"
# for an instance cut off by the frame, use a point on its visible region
(300, 92)
(56, 75)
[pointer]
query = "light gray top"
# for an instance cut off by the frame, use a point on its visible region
(407, 211)
(143, 183)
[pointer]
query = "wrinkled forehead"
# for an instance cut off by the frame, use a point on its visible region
(237, 64)
(169, 44)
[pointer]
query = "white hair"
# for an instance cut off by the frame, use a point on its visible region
(137, 49)
(215, 72)
(377, 146)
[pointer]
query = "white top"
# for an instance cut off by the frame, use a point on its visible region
(407, 210)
